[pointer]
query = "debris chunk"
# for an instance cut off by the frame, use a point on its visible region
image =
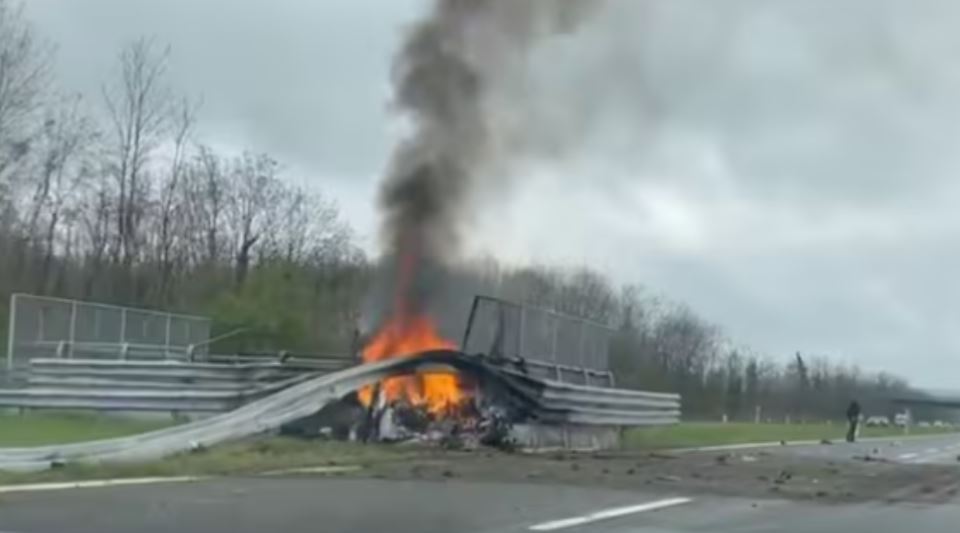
(672, 479)
(870, 458)
(658, 455)
(783, 477)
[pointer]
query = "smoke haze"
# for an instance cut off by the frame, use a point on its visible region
(446, 76)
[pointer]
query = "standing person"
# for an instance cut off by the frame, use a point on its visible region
(853, 417)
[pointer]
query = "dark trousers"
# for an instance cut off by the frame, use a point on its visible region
(852, 429)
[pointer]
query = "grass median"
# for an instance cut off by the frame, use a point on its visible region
(38, 428)
(696, 434)
(254, 456)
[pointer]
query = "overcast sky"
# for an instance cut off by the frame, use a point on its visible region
(787, 168)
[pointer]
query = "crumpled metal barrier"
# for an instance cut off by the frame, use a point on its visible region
(543, 401)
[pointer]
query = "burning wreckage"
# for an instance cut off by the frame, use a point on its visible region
(438, 393)
(444, 396)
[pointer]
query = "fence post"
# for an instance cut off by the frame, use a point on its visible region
(11, 333)
(580, 349)
(73, 328)
(123, 325)
(166, 341)
(520, 335)
(553, 342)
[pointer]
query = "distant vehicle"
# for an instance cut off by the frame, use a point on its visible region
(901, 420)
(939, 424)
(877, 421)
(923, 424)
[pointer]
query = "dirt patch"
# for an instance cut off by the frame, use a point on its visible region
(742, 475)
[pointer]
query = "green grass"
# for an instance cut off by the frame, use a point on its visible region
(249, 457)
(692, 434)
(37, 428)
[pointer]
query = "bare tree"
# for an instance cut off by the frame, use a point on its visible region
(139, 107)
(587, 294)
(253, 207)
(24, 68)
(60, 166)
(95, 219)
(205, 197)
(171, 209)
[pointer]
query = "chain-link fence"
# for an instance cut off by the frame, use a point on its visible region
(54, 327)
(568, 344)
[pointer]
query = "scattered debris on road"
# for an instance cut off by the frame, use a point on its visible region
(671, 479)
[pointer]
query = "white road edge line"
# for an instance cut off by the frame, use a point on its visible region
(313, 470)
(607, 514)
(907, 455)
(35, 487)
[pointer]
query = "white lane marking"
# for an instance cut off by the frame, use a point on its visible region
(931, 450)
(34, 487)
(313, 470)
(907, 455)
(608, 513)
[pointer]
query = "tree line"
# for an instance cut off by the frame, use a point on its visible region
(112, 197)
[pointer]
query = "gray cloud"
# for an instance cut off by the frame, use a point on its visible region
(785, 167)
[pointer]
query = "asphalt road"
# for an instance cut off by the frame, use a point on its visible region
(933, 449)
(334, 505)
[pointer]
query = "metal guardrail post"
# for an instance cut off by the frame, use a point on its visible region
(123, 326)
(73, 328)
(124, 351)
(166, 340)
(12, 332)
(61, 349)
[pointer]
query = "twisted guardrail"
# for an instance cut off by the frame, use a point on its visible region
(540, 400)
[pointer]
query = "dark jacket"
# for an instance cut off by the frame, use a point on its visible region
(853, 411)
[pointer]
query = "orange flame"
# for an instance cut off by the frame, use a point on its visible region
(407, 337)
